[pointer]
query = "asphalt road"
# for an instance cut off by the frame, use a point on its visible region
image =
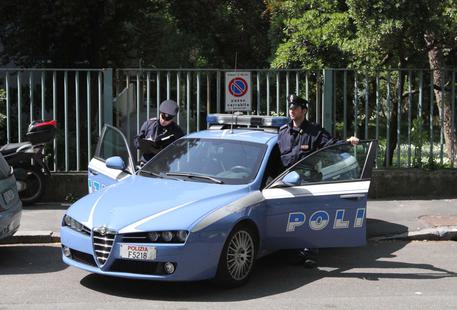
(384, 275)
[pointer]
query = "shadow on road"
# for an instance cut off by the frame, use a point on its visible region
(30, 259)
(273, 275)
(376, 228)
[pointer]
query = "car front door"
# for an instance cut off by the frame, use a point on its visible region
(112, 142)
(321, 201)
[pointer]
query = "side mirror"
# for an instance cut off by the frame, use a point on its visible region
(115, 162)
(291, 179)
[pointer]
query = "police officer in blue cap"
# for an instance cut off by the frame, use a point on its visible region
(299, 138)
(155, 134)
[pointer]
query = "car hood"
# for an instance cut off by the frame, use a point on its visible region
(141, 203)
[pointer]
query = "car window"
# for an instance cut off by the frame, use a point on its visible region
(336, 163)
(113, 144)
(233, 162)
(274, 167)
(4, 167)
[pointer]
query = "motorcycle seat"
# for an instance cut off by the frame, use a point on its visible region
(11, 148)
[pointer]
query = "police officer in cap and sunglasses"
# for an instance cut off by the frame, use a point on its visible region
(157, 133)
(298, 139)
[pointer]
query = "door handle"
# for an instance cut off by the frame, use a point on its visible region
(352, 196)
(91, 171)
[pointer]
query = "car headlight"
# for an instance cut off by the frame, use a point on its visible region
(75, 225)
(67, 220)
(167, 236)
(181, 235)
(153, 236)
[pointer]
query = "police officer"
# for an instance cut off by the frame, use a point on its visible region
(299, 138)
(155, 134)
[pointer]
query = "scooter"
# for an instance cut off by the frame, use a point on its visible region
(28, 162)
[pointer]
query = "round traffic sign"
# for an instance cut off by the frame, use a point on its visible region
(238, 87)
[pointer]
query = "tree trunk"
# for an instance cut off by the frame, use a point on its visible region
(393, 118)
(436, 61)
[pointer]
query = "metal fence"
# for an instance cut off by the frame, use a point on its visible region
(397, 107)
(72, 97)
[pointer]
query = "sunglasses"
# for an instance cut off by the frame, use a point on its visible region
(166, 117)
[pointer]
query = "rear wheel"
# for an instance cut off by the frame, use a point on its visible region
(237, 258)
(34, 180)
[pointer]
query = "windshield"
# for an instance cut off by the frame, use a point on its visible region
(222, 161)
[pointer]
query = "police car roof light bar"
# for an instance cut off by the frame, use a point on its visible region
(245, 121)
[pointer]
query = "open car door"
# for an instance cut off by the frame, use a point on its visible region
(112, 143)
(321, 200)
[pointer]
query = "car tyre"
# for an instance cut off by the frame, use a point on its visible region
(35, 180)
(237, 258)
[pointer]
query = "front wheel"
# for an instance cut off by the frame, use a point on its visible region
(237, 258)
(34, 180)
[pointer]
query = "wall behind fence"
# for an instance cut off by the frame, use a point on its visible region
(412, 117)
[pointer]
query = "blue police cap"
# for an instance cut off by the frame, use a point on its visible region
(295, 101)
(169, 107)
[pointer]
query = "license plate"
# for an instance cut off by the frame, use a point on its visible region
(138, 252)
(8, 196)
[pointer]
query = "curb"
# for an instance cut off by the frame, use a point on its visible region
(434, 233)
(46, 236)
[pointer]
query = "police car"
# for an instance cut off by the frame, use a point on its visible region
(213, 202)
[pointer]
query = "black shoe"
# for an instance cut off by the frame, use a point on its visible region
(308, 258)
(310, 263)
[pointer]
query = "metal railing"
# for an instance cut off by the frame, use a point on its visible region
(73, 97)
(397, 107)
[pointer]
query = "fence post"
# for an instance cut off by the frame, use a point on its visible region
(327, 102)
(108, 96)
(218, 91)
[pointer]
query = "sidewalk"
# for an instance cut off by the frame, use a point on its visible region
(390, 219)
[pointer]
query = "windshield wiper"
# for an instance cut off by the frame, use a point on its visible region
(192, 175)
(157, 175)
(151, 173)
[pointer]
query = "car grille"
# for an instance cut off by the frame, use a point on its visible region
(138, 267)
(102, 246)
(83, 257)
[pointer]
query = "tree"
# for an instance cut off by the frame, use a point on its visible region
(79, 33)
(122, 33)
(370, 35)
(441, 42)
(309, 33)
(426, 32)
(224, 31)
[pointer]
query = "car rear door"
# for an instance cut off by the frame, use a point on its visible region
(325, 206)
(112, 142)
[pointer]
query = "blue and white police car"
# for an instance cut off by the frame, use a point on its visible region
(213, 202)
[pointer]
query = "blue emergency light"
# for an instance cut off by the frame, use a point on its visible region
(255, 121)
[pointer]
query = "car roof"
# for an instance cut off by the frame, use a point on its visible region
(246, 134)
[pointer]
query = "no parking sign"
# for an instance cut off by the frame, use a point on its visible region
(237, 91)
